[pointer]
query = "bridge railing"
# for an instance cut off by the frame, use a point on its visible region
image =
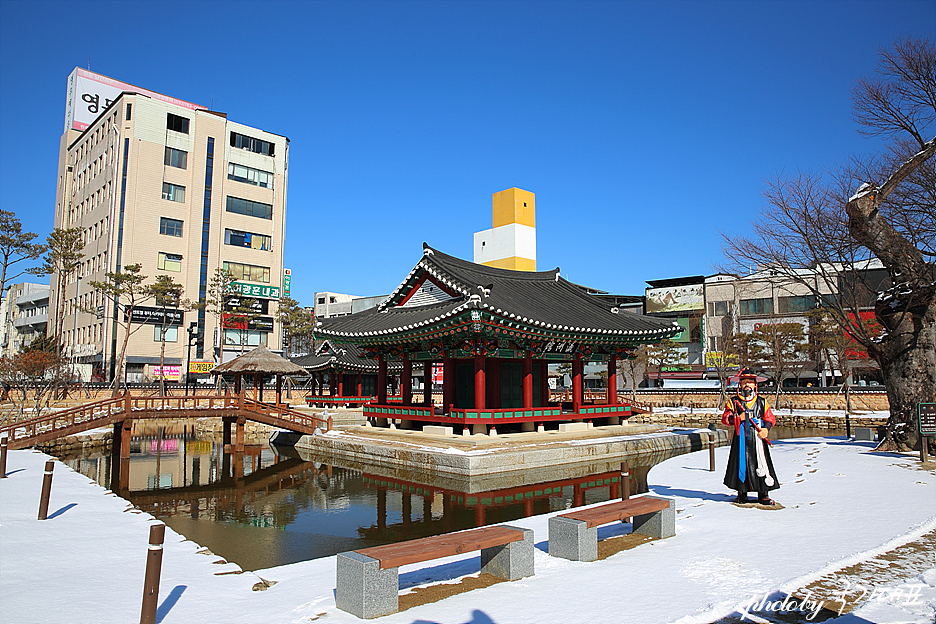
(155, 404)
(284, 412)
(101, 411)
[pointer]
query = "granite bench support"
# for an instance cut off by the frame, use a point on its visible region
(574, 535)
(368, 579)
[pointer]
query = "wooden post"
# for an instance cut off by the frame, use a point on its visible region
(46, 490)
(448, 383)
(3, 456)
(360, 384)
(625, 480)
(479, 382)
(279, 388)
(427, 383)
(406, 380)
(711, 452)
(239, 439)
(381, 379)
(340, 382)
(612, 380)
(577, 368)
(153, 568)
(528, 380)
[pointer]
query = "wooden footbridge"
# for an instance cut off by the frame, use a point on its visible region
(120, 412)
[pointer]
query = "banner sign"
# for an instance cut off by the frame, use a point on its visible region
(676, 299)
(169, 373)
(90, 93)
(200, 366)
(156, 316)
(257, 306)
(256, 290)
(287, 281)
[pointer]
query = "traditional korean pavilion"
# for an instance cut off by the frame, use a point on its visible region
(494, 331)
(351, 379)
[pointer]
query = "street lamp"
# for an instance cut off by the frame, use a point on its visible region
(192, 336)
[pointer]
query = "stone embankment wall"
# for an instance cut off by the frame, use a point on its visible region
(861, 400)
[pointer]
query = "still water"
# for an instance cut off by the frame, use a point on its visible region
(288, 508)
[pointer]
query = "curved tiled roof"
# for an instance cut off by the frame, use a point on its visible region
(542, 301)
(344, 357)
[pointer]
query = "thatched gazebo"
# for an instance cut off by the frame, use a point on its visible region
(257, 363)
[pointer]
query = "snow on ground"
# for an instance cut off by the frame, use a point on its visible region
(842, 504)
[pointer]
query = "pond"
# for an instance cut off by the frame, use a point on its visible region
(289, 507)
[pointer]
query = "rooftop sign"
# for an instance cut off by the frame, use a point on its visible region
(90, 93)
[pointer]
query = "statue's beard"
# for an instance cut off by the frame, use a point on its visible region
(748, 393)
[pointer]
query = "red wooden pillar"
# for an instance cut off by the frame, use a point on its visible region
(528, 380)
(340, 383)
(381, 380)
(544, 383)
(577, 368)
(406, 381)
(494, 371)
(612, 380)
(448, 382)
(427, 383)
(333, 382)
(479, 382)
(360, 384)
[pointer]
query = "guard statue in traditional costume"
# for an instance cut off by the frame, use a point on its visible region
(750, 468)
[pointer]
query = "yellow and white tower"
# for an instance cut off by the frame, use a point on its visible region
(511, 243)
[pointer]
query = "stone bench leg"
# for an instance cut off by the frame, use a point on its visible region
(659, 524)
(572, 539)
(511, 561)
(363, 589)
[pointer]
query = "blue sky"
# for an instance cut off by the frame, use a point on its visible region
(643, 127)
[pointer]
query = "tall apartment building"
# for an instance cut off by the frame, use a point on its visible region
(181, 191)
(24, 313)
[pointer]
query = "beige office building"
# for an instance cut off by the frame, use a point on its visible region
(181, 191)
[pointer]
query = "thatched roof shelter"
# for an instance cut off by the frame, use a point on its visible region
(257, 363)
(260, 361)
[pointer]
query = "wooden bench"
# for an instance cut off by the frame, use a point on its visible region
(574, 535)
(368, 579)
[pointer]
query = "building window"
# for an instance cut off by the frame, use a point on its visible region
(719, 308)
(257, 146)
(169, 262)
(247, 272)
(249, 208)
(321, 300)
(128, 110)
(173, 192)
(249, 175)
(176, 158)
(249, 338)
(172, 333)
(791, 305)
(170, 227)
(755, 307)
(176, 123)
(248, 239)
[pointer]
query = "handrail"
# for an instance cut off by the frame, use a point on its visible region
(284, 412)
(90, 415)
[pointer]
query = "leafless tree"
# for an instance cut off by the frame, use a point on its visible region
(867, 209)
